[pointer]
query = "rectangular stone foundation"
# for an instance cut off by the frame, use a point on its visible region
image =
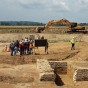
(78, 71)
(47, 76)
(46, 73)
(59, 66)
(81, 74)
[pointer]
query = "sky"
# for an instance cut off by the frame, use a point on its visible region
(44, 10)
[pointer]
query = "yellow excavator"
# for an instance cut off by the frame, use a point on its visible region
(72, 26)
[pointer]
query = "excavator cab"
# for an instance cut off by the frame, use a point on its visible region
(73, 25)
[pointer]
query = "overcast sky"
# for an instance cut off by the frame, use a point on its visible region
(43, 10)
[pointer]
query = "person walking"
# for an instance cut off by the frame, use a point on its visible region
(72, 43)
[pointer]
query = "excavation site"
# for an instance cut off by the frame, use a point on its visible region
(60, 67)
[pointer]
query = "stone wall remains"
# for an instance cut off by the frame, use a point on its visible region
(46, 73)
(59, 66)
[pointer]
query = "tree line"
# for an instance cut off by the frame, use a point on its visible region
(30, 23)
(20, 23)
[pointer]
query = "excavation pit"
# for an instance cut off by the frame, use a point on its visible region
(78, 71)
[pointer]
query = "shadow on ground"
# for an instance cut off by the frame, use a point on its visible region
(58, 81)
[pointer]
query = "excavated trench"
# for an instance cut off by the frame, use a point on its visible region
(17, 60)
(71, 55)
(58, 80)
(13, 79)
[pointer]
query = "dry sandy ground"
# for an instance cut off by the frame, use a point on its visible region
(21, 72)
(26, 76)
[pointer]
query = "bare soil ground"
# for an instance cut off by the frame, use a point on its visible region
(21, 72)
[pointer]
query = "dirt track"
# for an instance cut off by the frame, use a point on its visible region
(21, 72)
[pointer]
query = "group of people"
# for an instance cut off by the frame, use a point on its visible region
(24, 46)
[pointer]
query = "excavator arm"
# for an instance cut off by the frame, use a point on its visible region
(62, 21)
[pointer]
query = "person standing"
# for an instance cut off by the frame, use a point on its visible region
(17, 45)
(42, 37)
(21, 45)
(72, 43)
(46, 48)
(27, 47)
(31, 47)
(12, 46)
